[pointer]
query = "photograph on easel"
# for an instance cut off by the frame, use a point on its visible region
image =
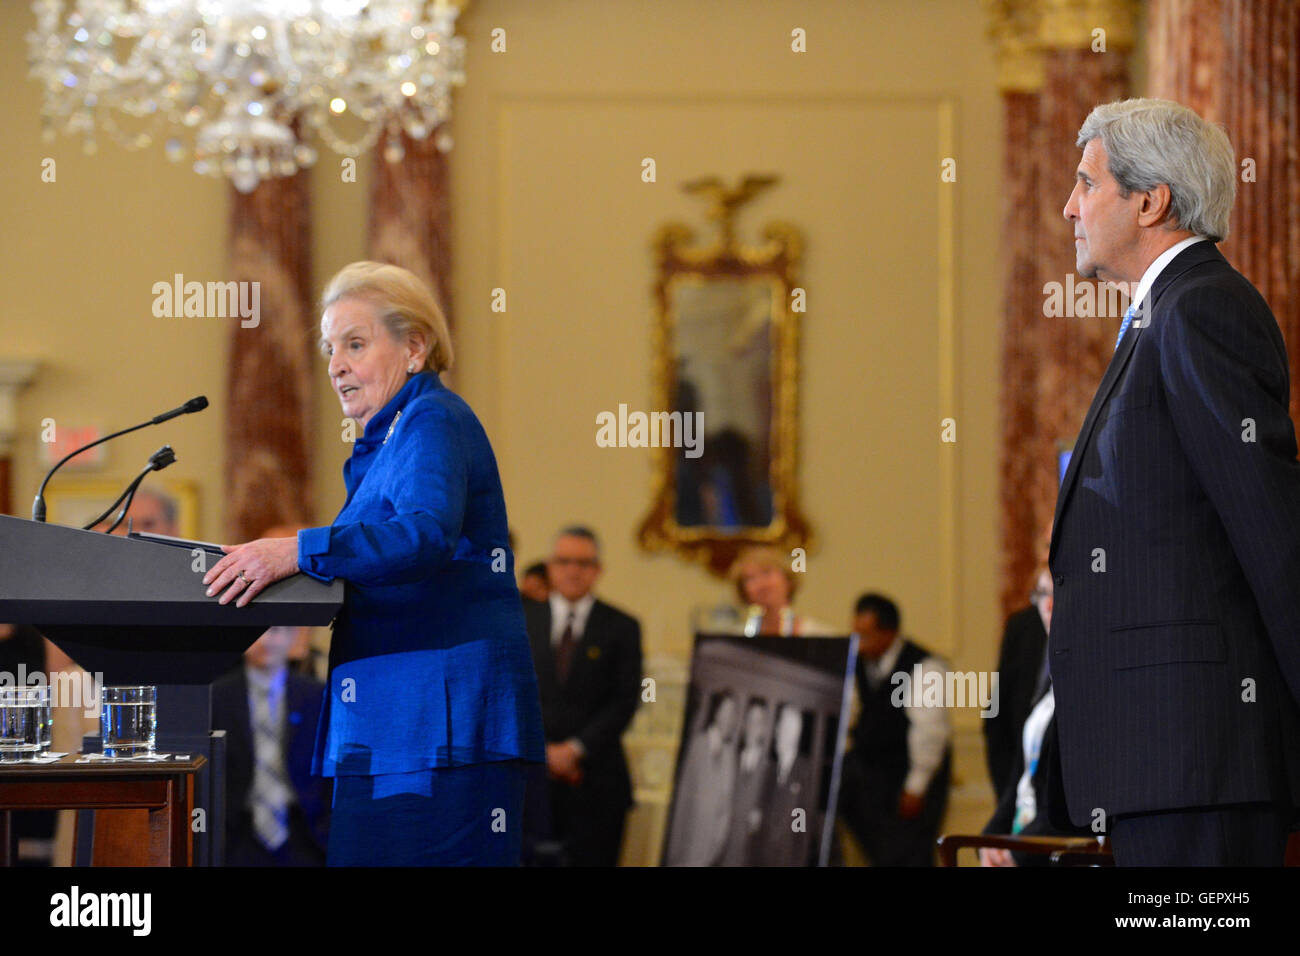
(762, 744)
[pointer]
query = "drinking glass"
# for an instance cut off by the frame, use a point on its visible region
(21, 722)
(128, 720)
(44, 714)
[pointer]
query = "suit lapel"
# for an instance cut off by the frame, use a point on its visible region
(1113, 373)
(593, 620)
(543, 654)
(1194, 255)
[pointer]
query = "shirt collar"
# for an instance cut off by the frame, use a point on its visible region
(1153, 271)
(376, 430)
(560, 608)
(885, 663)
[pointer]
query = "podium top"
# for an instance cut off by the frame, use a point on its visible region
(135, 610)
(52, 575)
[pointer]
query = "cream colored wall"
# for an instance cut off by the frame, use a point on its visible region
(550, 206)
(901, 272)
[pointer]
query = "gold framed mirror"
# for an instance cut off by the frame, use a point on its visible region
(726, 341)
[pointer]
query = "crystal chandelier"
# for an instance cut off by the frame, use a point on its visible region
(241, 73)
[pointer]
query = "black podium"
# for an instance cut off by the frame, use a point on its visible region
(134, 609)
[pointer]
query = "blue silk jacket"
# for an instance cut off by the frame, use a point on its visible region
(429, 663)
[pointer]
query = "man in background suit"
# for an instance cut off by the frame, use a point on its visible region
(1175, 640)
(534, 583)
(1023, 799)
(277, 813)
(588, 659)
(1020, 660)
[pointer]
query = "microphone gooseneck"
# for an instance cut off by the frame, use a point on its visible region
(196, 404)
(159, 460)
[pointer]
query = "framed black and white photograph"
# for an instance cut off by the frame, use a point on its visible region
(762, 740)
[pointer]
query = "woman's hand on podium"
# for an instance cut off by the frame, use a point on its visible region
(250, 567)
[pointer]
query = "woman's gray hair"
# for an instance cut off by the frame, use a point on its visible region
(1150, 141)
(405, 305)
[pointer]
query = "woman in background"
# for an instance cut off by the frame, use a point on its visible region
(766, 585)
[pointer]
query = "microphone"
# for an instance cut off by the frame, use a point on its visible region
(193, 405)
(159, 460)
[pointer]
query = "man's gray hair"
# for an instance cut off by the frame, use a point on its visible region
(580, 531)
(1150, 141)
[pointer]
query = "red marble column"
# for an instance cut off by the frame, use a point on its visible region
(1021, 450)
(271, 366)
(1237, 62)
(1050, 365)
(410, 212)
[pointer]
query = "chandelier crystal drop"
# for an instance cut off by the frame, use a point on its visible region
(250, 81)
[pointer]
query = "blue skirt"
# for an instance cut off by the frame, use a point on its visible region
(447, 816)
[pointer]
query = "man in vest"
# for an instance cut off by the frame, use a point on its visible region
(894, 787)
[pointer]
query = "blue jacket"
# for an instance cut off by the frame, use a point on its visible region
(429, 662)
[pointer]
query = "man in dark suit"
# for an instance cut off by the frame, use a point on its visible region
(277, 813)
(1175, 639)
(1020, 659)
(588, 659)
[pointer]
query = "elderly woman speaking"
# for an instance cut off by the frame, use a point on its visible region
(431, 714)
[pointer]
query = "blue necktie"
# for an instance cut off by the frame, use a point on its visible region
(1128, 320)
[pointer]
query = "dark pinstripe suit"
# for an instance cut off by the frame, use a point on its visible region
(1199, 601)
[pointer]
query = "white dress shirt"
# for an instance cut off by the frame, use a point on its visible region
(1032, 743)
(1157, 267)
(560, 608)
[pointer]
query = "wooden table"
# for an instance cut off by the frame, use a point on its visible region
(165, 789)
